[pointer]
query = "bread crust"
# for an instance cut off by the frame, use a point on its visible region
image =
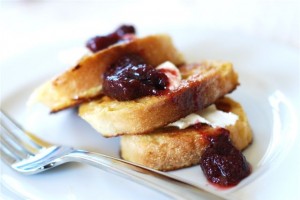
(83, 82)
(202, 85)
(170, 148)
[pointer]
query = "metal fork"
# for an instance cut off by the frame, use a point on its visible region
(27, 154)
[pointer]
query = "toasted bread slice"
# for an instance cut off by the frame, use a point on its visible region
(170, 148)
(202, 84)
(84, 81)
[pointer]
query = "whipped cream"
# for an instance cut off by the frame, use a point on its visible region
(211, 115)
(172, 73)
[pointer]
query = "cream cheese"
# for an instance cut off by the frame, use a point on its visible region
(172, 73)
(210, 115)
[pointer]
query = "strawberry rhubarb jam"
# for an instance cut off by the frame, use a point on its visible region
(221, 162)
(122, 33)
(130, 77)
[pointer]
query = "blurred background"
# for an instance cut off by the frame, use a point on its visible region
(26, 23)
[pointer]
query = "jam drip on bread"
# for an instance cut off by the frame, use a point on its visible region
(98, 43)
(131, 77)
(221, 162)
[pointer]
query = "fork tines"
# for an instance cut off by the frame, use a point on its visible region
(15, 143)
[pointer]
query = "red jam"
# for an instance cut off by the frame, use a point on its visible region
(98, 43)
(221, 162)
(131, 77)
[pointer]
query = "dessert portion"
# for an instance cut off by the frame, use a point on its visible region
(217, 149)
(169, 114)
(201, 85)
(83, 82)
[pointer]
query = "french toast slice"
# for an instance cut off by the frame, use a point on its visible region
(202, 84)
(170, 148)
(83, 82)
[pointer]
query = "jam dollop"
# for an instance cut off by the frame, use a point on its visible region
(98, 43)
(130, 77)
(221, 162)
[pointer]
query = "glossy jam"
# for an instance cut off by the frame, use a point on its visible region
(125, 29)
(221, 162)
(131, 77)
(98, 43)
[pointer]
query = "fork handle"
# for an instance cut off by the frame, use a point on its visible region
(159, 181)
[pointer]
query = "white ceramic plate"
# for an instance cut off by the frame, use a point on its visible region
(269, 92)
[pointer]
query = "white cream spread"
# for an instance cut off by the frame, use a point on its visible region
(210, 115)
(172, 73)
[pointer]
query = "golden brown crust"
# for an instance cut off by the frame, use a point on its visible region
(170, 148)
(84, 81)
(205, 83)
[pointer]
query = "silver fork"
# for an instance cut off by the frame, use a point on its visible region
(27, 154)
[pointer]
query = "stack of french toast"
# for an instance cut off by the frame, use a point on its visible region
(169, 114)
